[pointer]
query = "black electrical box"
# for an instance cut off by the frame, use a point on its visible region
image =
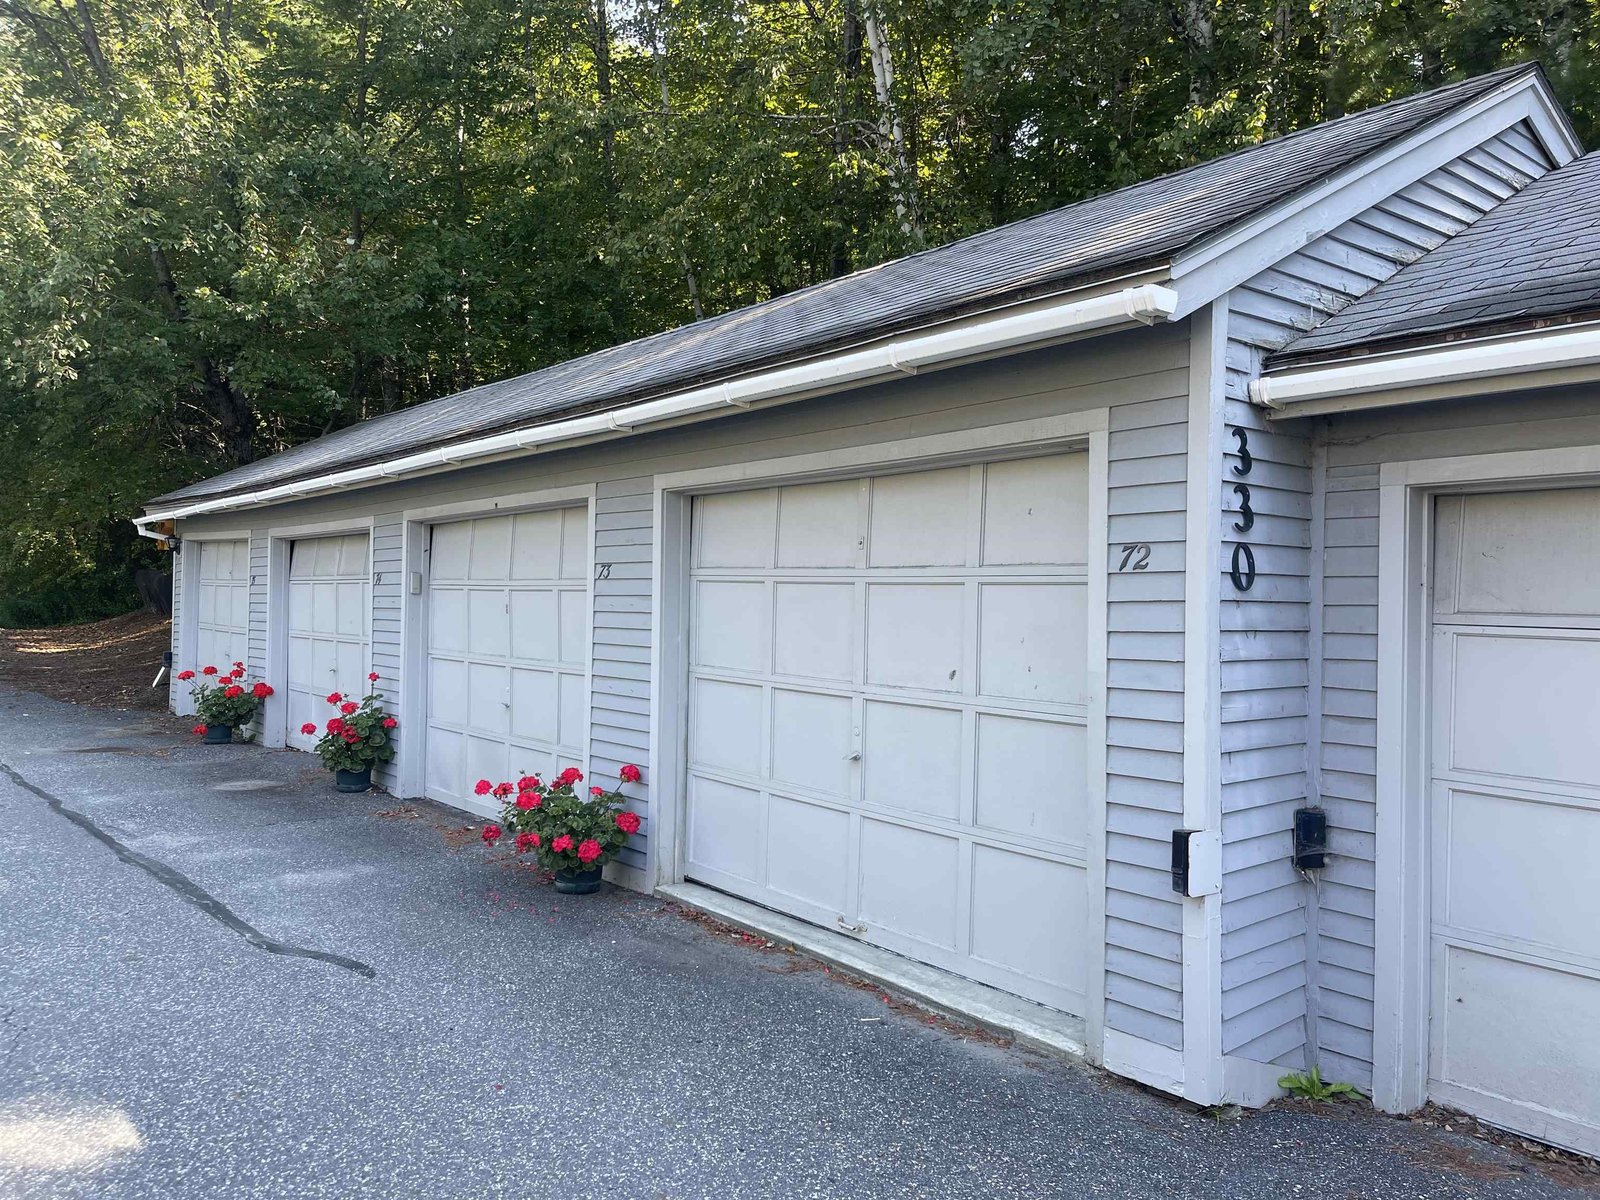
(1310, 838)
(1180, 861)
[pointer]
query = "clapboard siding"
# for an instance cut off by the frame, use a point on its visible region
(256, 654)
(619, 697)
(1268, 715)
(177, 693)
(1305, 288)
(1265, 709)
(388, 602)
(1146, 500)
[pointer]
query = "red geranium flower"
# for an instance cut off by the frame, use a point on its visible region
(336, 725)
(308, 727)
(529, 783)
(261, 691)
(348, 707)
(334, 697)
(200, 729)
(502, 790)
(491, 834)
(240, 665)
(562, 844)
(232, 691)
(390, 722)
(527, 800)
(628, 822)
(629, 774)
(569, 776)
(351, 736)
(594, 791)
(373, 677)
(588, 850)
(527, 841)
(208, 670)
(185, 676)
(483, 787)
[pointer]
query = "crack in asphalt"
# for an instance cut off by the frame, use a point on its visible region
(185, 888)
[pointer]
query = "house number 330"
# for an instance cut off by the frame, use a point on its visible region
(1243, 566)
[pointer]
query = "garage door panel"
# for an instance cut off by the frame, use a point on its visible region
(737, 530)
(812, 740)
(574, 544)
(1005, 884)
(1035, 510)
(727, 722)
(450, 546)
(447, 690)
(1033, 641)
(726, 828)
(839, 636)
(915, 764)
(487, 758)
(909, 883)
(446, 761)
(488, 623)
(916, 636)
(1031, 777)
(1514, 812)
(535, 625)
(328, 615)
(1509, 1031)
(815, 635)
(1517, 867)
(490, 555)
(732, 624)
(535, 705)
(447, 620)
(1525, 704)
(535, 552)
(920, 520)
(817, 525)
(574, 618)
(574, 722)
(808, 851)
(488, 699)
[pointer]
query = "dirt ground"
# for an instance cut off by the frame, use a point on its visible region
(106, 664)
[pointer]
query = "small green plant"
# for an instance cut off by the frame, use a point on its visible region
(1309, 1086)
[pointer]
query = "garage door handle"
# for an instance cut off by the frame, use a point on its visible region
(853, 756)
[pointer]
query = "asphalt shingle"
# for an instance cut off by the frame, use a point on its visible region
(1142, 225)
(1535, 257)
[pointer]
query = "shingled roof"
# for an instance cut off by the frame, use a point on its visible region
(1144, 225)
(1535, 257)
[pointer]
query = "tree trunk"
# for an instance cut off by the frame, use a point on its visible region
(891, 134)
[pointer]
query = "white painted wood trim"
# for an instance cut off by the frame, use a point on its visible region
(1094, 1017)
(590, 497)
(216, 535)
(1202, 716)
(669, 676)
(1144, 1061)
(412, 704)
(1401, 971)
(499, 506)
(1243, 251)
(310, 529)
(915, 453)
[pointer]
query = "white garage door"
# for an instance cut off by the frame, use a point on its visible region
(329, 607)
(223, 627)
(1515, 814)
(887, 713)
(507, 621)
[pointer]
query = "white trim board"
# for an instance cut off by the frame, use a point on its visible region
(1405, 570)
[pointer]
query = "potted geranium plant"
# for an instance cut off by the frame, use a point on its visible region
(361, 735)
(572, 835)
(224, 701)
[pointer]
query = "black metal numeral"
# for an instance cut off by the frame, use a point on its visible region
(1244, 567)
(602, 570)
(1242, 467)
(1247, 515)
(1135, 557)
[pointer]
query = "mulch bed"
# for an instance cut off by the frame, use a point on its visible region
(105, 664)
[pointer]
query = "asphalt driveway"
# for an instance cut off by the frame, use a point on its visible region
(220, 978)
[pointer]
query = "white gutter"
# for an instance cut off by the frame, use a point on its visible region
(1526, 360)
(1145, 303)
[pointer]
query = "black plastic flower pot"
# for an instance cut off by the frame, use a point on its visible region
(216, 735)
(354, 781)
(578, 883)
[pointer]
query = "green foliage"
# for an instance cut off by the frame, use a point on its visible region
(1309, 1086)
(226, 699)
(227, 229)
(372, 741)
(565, 830)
